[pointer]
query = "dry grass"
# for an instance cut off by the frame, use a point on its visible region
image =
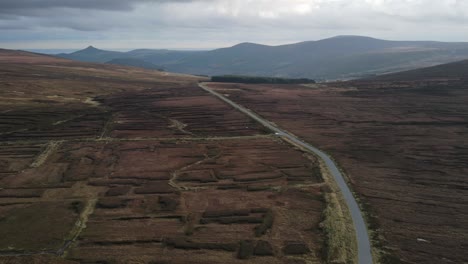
(337, 224)
(49, 150)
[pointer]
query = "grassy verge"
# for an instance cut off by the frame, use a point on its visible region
(340, 244)
(380, 254)
(335, 202)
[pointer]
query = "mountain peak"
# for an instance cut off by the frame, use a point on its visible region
(351, 37)
(248, 45)
(244, 44)
(92, 54)
(90, 47)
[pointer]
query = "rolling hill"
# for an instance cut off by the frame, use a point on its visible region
(343, 57)
(134, 63)
(454, 70)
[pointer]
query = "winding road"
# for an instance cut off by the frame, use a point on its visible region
(362, 236)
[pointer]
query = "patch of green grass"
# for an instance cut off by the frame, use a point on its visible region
(246, 249)
(36, 227)
(76, 206)
(267, 223)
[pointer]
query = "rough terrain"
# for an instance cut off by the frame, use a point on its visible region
(109, 164)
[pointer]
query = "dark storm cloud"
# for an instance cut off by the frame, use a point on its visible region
(25, 6)
(80, 15)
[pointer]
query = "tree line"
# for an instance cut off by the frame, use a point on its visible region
(259, 80)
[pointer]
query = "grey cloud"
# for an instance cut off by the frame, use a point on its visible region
(158, 22)
(24, 6)
(20, 6)
(12, 27)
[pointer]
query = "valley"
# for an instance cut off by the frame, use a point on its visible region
(120, 164)
(233, 132)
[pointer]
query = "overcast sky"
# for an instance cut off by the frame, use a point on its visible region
(204, 24)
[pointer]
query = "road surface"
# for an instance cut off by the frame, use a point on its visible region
(364, 248)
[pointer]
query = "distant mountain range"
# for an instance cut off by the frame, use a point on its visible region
(342, 57)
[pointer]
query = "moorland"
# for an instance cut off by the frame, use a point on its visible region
(112, 164)
(401, 141)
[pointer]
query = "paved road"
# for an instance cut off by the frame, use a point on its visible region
(364, 248)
